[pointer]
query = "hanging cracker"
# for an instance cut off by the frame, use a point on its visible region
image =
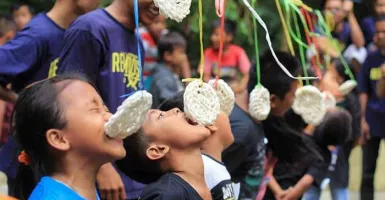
(329, 100)
(346, 87)
(130, 115)
(201, 103)
(225, 95)
(309, 104)
(174, 9)
(259, 103)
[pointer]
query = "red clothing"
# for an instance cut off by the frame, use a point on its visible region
(234, 61)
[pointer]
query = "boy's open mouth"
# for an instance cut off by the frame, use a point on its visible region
(191, 122)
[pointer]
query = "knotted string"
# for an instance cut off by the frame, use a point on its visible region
(220, 7)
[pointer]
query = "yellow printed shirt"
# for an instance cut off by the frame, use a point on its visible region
(100, 47)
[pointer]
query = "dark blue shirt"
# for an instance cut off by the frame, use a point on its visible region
(369, 29)
(103, 49)
(368, 77)
(48, 188)
(32, 54)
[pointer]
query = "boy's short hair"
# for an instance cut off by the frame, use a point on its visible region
(272, 76)
(136, 164)
(16, 6)
(340, 68)
(6, 24)
(230, 26)
(170, 41)
(336, 128)
(175, 102)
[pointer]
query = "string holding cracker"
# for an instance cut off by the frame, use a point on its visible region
(262, 23)
(131, 114)
(201, 103)
(259, 99)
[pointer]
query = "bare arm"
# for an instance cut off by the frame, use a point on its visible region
(274, 186)
(381, 88)
(300, 188)
(2, 115)
(7, 95)
(356, 33)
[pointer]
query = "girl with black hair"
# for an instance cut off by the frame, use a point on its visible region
(59, 125)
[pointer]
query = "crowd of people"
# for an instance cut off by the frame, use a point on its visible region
(62, 74)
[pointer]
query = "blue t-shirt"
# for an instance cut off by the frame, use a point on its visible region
(369, 29)
(99, 46)
(48, 189)
(368, 76)
(103, 49)
(32, 54)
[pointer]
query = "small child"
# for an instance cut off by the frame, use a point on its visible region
(165, 152)
(235, 64)
(172, 55)
(217, 177)
(150, 35)
(22, 13)
(54, 121)
(7, 29)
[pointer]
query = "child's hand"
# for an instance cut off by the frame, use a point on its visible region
(348, 6)
(110, 184)
(282, 195)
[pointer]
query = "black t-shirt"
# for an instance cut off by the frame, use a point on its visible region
(312, 158)
(244, 159)
(170, 187)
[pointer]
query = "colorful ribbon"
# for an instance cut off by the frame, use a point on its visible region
(269, 42)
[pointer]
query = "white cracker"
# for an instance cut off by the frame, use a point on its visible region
(329, 100)
(129, 116)
(174, 9)
(346, 87)
(259, 103)
(225, 94)
(201, 103)
(310, 104)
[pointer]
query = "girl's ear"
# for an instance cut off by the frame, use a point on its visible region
(57, 140)
(156, 152)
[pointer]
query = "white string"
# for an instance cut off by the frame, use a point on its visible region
(270, 45)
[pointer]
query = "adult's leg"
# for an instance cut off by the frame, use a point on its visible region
(313, 193)
(369, 162)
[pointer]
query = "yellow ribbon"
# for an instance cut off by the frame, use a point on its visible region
(285, 29)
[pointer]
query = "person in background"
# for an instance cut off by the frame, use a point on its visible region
(7, 32)
(345, 32)
(368, 24)
(103, 45)
(31, 56)
(21, 13)
(373, 110)
(381, 85)
(235, 64)
(172, 56)
(150, 36)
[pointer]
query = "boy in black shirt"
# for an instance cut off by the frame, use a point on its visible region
(216, 175)
(165, 153)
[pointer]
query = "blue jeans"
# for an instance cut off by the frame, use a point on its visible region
(314, 193)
